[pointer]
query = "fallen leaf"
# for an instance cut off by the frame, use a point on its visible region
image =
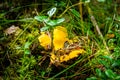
(111, 35)
(11, 30)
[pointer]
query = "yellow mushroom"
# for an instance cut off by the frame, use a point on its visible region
(45, 40)
(59, 37)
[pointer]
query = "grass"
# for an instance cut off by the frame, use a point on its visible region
(96, 25)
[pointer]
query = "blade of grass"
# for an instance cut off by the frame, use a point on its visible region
(97, 27)
(20, 20)
(68, 9)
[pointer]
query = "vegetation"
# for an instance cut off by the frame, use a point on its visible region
(60, 40)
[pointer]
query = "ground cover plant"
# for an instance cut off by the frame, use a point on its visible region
(60, 40)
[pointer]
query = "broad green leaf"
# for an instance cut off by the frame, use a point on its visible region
(45, 28)
(41, 18)
(54, 22)
(52, 11)
(51, 22)
(60, 20)
(101, 0)
(110, 74)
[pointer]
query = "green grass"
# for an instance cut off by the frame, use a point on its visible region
(22, 57)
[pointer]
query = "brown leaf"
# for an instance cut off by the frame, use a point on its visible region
(11, 30)
(111, 35)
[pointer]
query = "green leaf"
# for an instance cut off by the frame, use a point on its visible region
(92, 78)
(45, 28)
(116, 63)
(117, 78)
(98, 72)
(55, 22)
(41, 18)
(27, 44)
(101, 0)
(27, 51)
(52, 11)
(107, 57)
(105, 63)
(110, 74)
(86, 1)
(60, 20)
(43, 73)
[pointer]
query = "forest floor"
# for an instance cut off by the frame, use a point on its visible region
(60, 40)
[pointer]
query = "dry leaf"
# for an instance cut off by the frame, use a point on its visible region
(111, 35)
(11, 30)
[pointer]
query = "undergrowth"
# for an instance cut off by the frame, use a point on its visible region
(95, 24)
